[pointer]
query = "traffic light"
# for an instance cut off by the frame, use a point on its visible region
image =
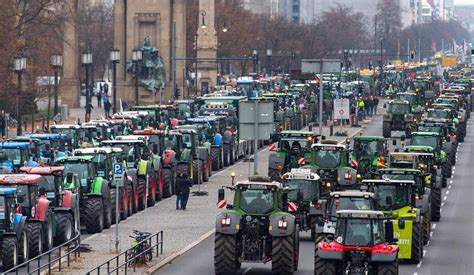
(412, 55)
(360, 92)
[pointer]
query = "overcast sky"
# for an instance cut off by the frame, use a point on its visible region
(464, 2)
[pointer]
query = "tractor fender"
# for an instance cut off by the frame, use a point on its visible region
(169, 157)
(102, 191)
(234, 226)
(185, 155)
(66, 201)
(156, 164)
(227, 137)
(341, 174)
(383, 256)
(42, 209)
(422, 204)
(19, 224)
(202, 153)
(275, 160)
(63, 210)
(275, 231)
(217, 140)
(131, 174)
(96, 187)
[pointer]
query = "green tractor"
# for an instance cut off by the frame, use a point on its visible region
(308, 208)
(368, 154)
(447, 131)
(397, 200)
(330, 161)
(398, 118)
(73, 132)
(256, 228)
(363, 244)
(293, 151)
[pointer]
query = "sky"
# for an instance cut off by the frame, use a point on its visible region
(464, 2)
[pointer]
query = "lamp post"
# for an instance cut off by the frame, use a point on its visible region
(255, 61)
(20, 66)
(56, 64)
(136, 58)
(203, 26)
(224, 21)
(87, 63)
(269, 58)
(114, 58)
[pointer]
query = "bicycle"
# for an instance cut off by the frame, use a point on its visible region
(141, 248)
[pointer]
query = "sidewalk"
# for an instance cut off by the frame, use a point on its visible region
(180, 228)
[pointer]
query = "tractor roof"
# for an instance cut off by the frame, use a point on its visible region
(125, 141)
(47, 136)
(149, 131)
(369, 138)
(20, 179)
(24, 139)
(418, 148)
(352, 193)
(65, 126)
(328, 146)
(426, 134)
(45, 170)
(401, 171)
(301, 173)
(389, 182)
(95, 150)
(360, 214)
(14, 145)
(258, 184)
(398, 101)
(296, 133)
(76, 159)
(140, 138)
(204, 119)
(92, 124)
(7, 191)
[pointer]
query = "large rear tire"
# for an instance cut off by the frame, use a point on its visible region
(386, 130)
(167, 182)
(446, 169)
(9, 253)
(226, 260)
(231, 153)
(113, 208)
(93, 215)
(23, 253)
(108, 208)
(215, 152)
(141, 193)
(416, 244)
(283, 254)
(435, 204)
(64, 228)
(427, 226)
(35, 236)
(323, 267)
(226, 155)
(388, 268)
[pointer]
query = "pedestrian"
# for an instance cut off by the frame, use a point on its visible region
(107, 106)
(99, 96)
(370, 106)
(376, 103)
(183, 184)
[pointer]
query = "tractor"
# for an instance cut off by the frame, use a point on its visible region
(397, 199)
(435, 141)
(368, 154)
(363, 244)
(308, 207)
(293, 151)
(256, 228)
(14, 155)
(63, 203)
(13, 230)
(73, 134)
(398, 118)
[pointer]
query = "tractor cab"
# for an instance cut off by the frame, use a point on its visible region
(28, 191)
(102, 159)
(132, 148)
(51, 183)
(73, 134)
(186, 109)
(94, 132)
(83, 168)
(13, 155)
(368, 153)
(56, 142)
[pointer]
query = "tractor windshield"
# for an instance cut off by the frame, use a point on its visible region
(78, 168)
(434, 129)
(399, 176)
(438, 114)
(349, 203)
(13, 155)
(171, 142)
(391, 197)
(368, 147)
(431, 141)
(292, 144)
(327, 158)
(48, 183)
(398, 109)
(187, 141)
(258, 201)
(408, 97)
(359, 232)
(307, 187)
(184, 110)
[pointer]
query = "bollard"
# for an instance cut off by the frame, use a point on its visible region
(331, 129)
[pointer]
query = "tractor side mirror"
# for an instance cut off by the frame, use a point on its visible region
(221, 194)
(284, 202)
(389, 238)
(388, 200)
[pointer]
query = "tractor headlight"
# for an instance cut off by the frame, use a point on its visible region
(347, 176)
(225, 221)
(282, 224)
(327, 185)
(359, 176)
(33, 212)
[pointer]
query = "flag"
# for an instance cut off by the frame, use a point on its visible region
(454, 45)
(433, 46)
(464, 46)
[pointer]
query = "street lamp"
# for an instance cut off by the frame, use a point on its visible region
(269, 58)
(20, 66)
(115, 58)
(56, 63)
(136, 58)
(221, 20)
(255, 61)
(203, 14)
(87, 63)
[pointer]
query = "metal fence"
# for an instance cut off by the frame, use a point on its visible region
(47, 260)
(126, 259)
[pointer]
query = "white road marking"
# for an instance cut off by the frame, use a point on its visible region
(424, 252)
(434, 226)
(442, 204)
(419, 264)
(454, 167)
(447, 192)
(247, 270)
(416, 273)
(451, 181)
(445, 197)
(431, 234)
(441, 210)
(449, 186)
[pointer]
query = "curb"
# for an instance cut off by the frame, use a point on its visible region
(172, 257)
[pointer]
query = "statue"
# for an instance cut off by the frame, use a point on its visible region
(151, 70)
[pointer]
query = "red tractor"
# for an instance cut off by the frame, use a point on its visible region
(64, 203)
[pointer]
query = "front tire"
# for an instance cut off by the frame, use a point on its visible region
(93, 215)
(215, 152)
(416, 244)
(167, 183)
(9, 252)
(35, 235)
(226, 260)
(435, 204)
(64, 228)
(283, 254)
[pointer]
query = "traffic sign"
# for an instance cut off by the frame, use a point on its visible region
(341, 108)
(118, 172)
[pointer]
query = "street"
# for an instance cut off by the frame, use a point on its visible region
(451, 247)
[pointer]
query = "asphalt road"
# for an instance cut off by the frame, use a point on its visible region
(450, 251)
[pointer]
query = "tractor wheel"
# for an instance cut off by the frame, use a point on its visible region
(198, 172)
(141, 194)
(444, 181)
(94, 215)
(154, 184)
(9, 252)
(274, 174)
(231, 153)
(388, 268)
(447, 169)
(113, 208)
(131, 201)
(386, 130)
(48, 238)
(226, 155)
(323, 267)
(296, 250)
(167, 183)
(23, 253)
(417, 243)
(108, 208)
(207, 171)
(313, 229)
(435, 204)
(427, 226)
(226, 260)
(35, 236)
(64, 228)
(283, 254)
(215, 152)
(124, 203)
(135, 198)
